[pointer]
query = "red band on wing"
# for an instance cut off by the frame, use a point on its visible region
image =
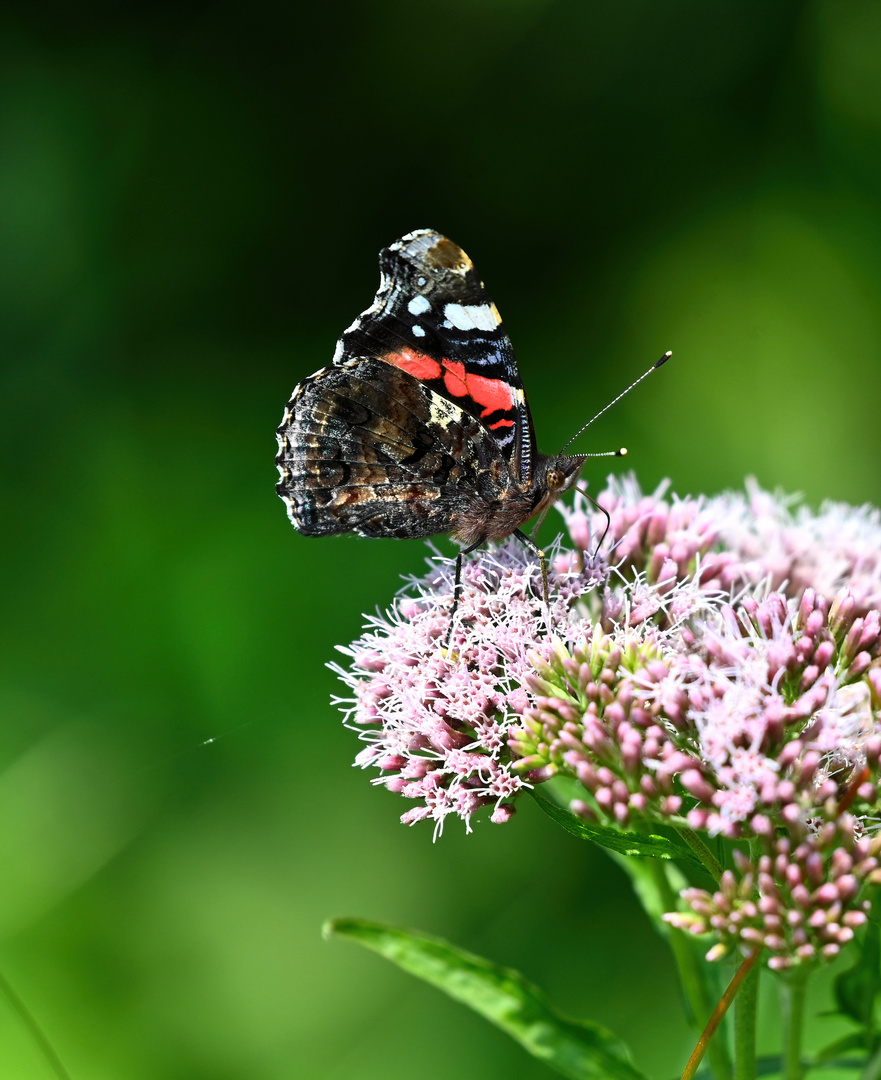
(418, 365)
(494, 394)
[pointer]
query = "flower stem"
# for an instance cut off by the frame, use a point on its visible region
(706, 1041)
(792, 994)
(708, 860)
(745, 1009)
(692, 976)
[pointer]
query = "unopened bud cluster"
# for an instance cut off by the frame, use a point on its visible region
(798, 901)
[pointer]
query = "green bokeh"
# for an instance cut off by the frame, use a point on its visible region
(191, 204)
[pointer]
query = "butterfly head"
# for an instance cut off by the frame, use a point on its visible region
(554, 476)
(562, 471)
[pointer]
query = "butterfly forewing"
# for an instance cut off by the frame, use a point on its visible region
(433, 318)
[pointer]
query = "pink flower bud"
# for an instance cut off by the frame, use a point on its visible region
(826, 894)
(854, 919)
(860, 663)
(695, 784)
(604, 799)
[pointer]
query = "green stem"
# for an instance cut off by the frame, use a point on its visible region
(746, 1006)
(708, 860)
(705, 1042)
(692, 976)
(745, 1009)
(792, 994)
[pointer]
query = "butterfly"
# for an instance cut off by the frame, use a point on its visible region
(420, 425)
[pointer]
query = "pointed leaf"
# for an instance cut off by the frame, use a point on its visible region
(847, 1043)
(643, 845)
(578, 1050)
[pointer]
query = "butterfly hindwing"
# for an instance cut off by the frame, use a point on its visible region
(365, 447)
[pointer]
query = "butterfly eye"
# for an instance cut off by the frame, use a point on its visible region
(555, 479)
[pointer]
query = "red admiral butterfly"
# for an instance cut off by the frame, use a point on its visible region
(420, 426)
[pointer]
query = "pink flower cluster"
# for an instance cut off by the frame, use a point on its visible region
(436, 722)
(716, 668)
(799, 902)
(740, 538)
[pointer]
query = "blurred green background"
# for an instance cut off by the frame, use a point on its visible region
(192, 200)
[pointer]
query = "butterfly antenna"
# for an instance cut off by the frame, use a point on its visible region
(645, 375)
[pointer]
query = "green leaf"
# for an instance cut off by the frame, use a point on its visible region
(578, 1050)
(857, 988)
(643, 845)
(847, 1043)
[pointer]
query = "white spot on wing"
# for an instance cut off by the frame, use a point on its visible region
(472, 316)
(418, 331)
(418, 305)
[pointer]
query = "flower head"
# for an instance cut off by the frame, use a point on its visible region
(716, 667)
(436, 722)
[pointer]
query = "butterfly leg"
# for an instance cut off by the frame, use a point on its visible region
(457, 588)
(539, 523)
(542, 558)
